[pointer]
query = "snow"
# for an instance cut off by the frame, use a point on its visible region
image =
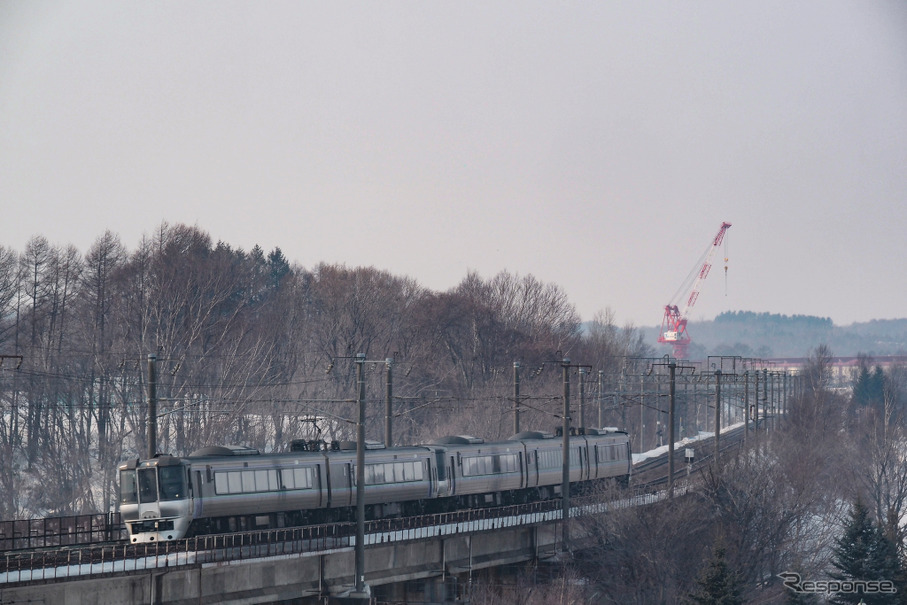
(663, 450)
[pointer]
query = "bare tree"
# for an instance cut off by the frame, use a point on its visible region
(646, 554)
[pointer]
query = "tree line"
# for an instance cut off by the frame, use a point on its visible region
(812, 512)
(253, 349)
(765, 335)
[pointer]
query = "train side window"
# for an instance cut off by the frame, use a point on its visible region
(220, 483)
(303, 478)
(265, 480)
(234, 482)
(550, 459)
(288, 480)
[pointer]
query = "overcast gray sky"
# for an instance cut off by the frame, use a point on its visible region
(595, 145)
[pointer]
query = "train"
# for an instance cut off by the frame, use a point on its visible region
(221, 489)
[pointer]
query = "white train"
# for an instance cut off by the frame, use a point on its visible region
(228, 488)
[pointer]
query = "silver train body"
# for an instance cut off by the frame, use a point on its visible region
(224, 489)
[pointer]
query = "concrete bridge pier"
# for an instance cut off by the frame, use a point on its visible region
(436, 589)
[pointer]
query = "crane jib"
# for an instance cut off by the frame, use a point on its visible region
(673, 326)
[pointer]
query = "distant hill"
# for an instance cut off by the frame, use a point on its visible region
(765, 335)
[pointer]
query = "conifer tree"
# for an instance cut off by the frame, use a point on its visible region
(864, 553)
(718, 585)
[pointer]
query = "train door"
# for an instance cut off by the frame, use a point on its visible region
(532, 468)
(440, 487)
(319, 484)
(327, 495)
(452, 477)
(341, 484)
(629, 459)
(588, 461)
(195, 491)
(524, 469)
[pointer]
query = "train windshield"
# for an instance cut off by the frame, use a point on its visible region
(147, 484)
(128, 489)
(173, 487)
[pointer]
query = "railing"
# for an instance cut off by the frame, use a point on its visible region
(61, 531)
(88, 561)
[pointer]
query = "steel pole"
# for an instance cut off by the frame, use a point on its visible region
(152, 405)
(565, 446)
(360, 480)
(717, 411)
(673, 367)
(388, 405)
(516, 397)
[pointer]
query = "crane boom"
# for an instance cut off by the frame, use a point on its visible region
(674, 324)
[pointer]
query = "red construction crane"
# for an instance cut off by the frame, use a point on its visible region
(674, 325)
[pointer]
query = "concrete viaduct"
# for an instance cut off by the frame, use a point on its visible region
(426, 564)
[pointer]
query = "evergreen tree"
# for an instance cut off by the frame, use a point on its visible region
(278, 267)
(864, 553)
(869, 386)
(718, 585)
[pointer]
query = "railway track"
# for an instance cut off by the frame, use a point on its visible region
(241, 544)
(67, 547)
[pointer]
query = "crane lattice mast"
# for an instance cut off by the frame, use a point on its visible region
(674, 324)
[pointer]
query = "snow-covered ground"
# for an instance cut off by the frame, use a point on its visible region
(661, 451)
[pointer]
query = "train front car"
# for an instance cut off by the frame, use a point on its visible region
(154, 499)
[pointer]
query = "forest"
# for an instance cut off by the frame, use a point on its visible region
(765, 335)
(250, 349)
(812, 512)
